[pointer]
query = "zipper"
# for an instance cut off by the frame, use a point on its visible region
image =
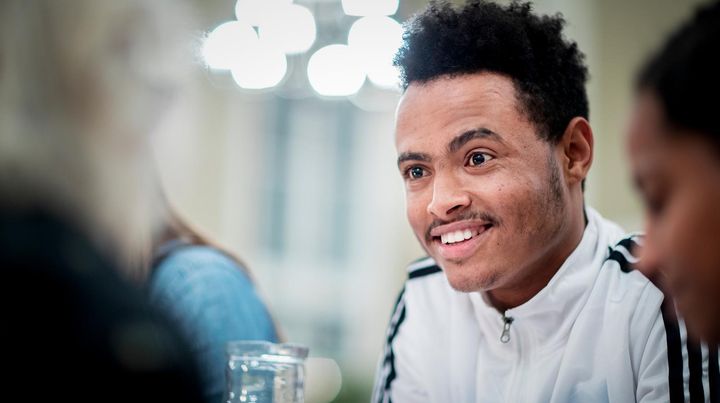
(507, 321)
(515, 386)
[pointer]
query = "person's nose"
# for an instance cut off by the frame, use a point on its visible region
(449, 197)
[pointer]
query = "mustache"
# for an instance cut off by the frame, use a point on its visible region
(466, 216)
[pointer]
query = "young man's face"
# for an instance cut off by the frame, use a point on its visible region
(485, 196)
(678, 175)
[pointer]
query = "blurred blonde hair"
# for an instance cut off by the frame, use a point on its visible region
(82, 85)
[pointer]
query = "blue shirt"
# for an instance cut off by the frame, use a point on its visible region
(213, 301)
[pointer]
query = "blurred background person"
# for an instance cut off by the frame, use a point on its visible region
(209, 293)
(82, 84)
(674, 149)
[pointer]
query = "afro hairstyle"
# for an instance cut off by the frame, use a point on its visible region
(547, 70)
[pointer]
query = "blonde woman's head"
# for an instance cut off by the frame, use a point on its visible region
(82, 85)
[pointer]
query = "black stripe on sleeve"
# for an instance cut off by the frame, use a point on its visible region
(426, 271)
(383, 383)
(713, 375)
(629, 244)
(695, 363)
(615, 254)
(391, 356)
(674, 353)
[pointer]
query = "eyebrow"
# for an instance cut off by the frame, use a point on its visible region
(464, 138)
(409, 156)
(455, 144)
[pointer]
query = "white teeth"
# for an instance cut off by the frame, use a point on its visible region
(456, 236)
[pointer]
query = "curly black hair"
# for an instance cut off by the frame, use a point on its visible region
(685, 75)
(548, 71)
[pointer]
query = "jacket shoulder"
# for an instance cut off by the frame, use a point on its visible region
(625, 251)
(423, 267)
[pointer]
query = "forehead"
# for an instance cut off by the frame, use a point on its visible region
(440, 109)
(651, 149)
(657, 149)
(647, 128)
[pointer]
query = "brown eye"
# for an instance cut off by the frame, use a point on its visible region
(478, 158)
(415, 172)
(655, 205)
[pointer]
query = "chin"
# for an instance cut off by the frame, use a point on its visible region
(701, 322)
(465, 279)
(705, 329)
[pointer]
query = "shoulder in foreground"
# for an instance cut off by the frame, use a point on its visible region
(197, 261)
(423, 267)
(198, 255)
(625, 251)
(620, 265)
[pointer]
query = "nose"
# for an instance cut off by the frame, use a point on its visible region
(448, 197)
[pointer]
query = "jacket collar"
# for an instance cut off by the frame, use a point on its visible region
(548, 317)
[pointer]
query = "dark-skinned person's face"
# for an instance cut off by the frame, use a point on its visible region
(485, 194)
(677, 173)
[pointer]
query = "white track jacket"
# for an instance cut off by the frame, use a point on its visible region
(598, 332)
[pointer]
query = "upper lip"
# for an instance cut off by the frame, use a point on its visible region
(457, 226)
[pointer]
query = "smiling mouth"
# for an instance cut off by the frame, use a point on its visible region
(459, 242)
(461, 235)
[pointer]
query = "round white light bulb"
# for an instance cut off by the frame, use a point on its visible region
(291, 29)
(335, 71)
(363, 8)
(376, 40)
(263, 67)
(226, 45)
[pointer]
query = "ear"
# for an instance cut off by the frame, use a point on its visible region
(576, 148)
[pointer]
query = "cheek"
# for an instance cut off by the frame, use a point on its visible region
(671, 234)
(687, 237)
(521, 202)
(416, 209)
(702, 251)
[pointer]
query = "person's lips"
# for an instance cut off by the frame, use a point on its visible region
(459, 240)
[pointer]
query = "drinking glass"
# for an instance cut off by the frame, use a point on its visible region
(264, 372)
